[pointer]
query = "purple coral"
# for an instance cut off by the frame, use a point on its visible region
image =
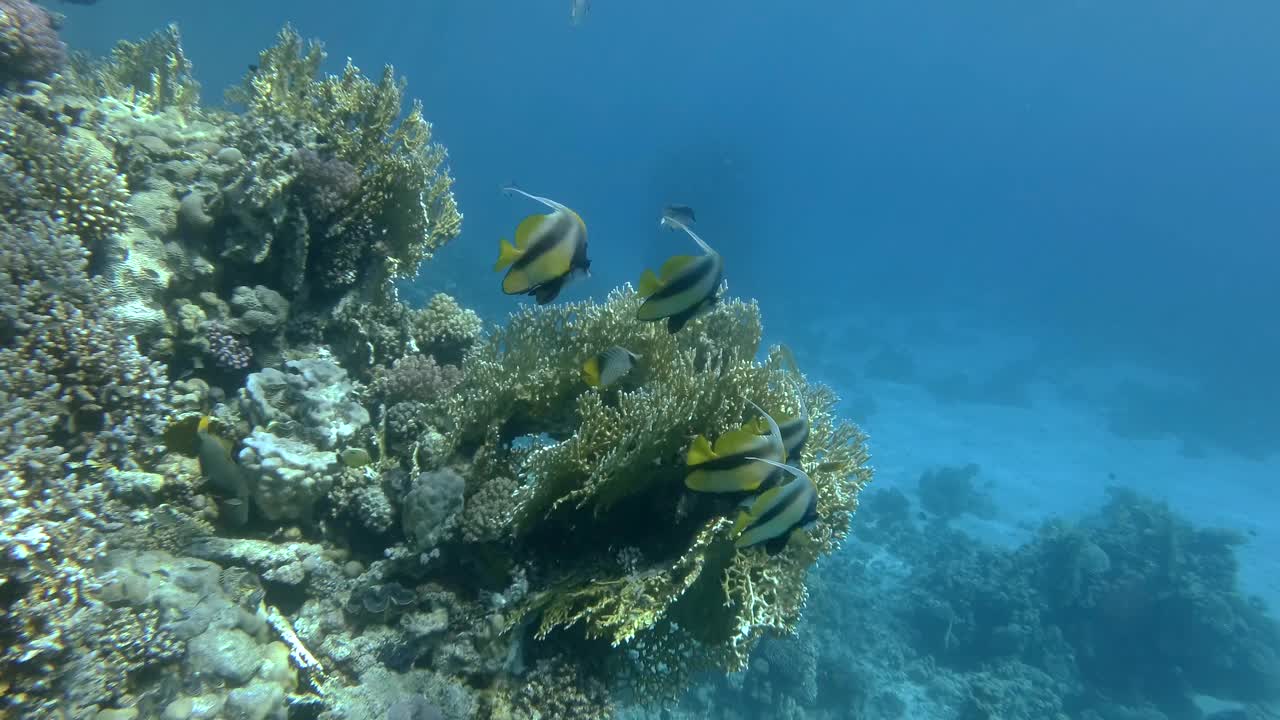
(29, 44)
(324, 182)
(415, 378)
(228, 350)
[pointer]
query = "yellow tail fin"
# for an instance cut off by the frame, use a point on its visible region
(507, 254)
(649, 283)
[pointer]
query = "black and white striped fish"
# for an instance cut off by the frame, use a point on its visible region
(550, 249)
(729, 465)
(775, 514)
(684, 288)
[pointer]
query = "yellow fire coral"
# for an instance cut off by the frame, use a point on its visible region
(629, 556)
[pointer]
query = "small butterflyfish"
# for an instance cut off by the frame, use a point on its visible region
(685, 287)
(602, 370)
(673, 214)
(550, 249)
(727, 466)
(774, 515)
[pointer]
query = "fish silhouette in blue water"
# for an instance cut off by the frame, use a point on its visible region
(681, 215)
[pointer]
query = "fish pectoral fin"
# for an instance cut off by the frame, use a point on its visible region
(526, 229)
(744, 519)
(649, 284)
(507, 254)
(700, 452)
(674, 265)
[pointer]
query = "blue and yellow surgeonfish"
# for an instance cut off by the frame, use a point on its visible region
(728, 467)
(685, 287)
(774, 515)
(550, 249)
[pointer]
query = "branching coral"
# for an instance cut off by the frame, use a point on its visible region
(75, 396)
(62, 357)
(404, 190)
(414, 391)
(65, 173)
(614, 470)
(151, 75)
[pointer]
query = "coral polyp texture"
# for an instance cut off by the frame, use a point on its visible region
(29, 45)
(242, 479)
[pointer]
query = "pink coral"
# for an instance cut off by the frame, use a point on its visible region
(29, 44)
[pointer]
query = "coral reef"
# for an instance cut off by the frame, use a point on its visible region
(1130, 612)
(949, 492)
(29, 45)
(354, 191)
(344, 507)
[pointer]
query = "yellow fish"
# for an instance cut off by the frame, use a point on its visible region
(731, 465)
(775, 514)
(685, 287)
(550, 249)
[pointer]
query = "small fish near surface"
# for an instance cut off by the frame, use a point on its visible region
(729, 466)
(685, 287)
(550, 249)
(605, 369)
(578, 11)
(674, 216)
(776, 514)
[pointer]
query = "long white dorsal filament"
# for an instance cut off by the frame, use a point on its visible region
(705, 247)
